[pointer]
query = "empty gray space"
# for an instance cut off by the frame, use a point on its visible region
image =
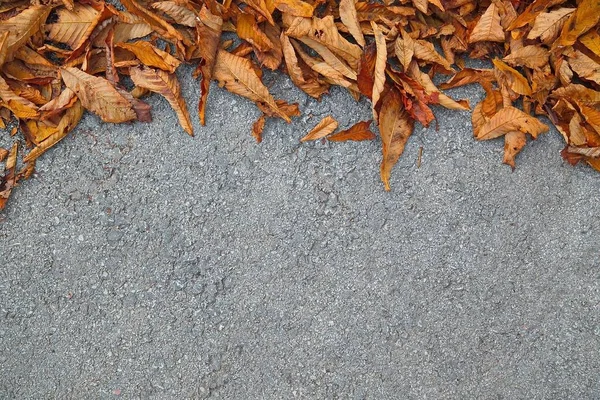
(142, 263)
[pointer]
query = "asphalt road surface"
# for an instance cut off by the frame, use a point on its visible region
(141, 263)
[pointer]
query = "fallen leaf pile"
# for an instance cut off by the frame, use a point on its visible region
(59, 58)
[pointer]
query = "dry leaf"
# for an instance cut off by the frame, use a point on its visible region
(326, 126)
(98, 95)
(357, 132)
(511, 119)
(166, 85)
(237, 75)
(395, 127)
(488, 27)
(349, 17)
(151, 55)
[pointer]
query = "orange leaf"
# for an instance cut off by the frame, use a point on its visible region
(326, 126)
(98, 95)
(396, 127)
(166, 85)
(357, 132)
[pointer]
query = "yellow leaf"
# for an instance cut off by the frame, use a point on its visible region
(349, 18)
(151, 56)
(582, 20)
(395, 127)
(488, 28)
(326, 126)
(591, 40)
(238, 76)
(98, 95)
(166, 85)
(510, 119)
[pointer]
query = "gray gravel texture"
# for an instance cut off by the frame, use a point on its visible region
(141, 263)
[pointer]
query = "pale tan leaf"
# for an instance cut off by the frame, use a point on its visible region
(488, 28)
(237, 75)
(380, 64)
(548, 25)
(584, 66)
(349, 17)
(534, 57)
(167, 85)
(405, 49)
(179, 13)
(326, 126)
(98, 95)
(330, 58)
(510, 119)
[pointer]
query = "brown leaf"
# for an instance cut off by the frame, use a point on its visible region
(163, 28)
(349, 17)
(23, 25)
(20, 107)
(582, 20)
(395, 127)
(166, 85)
(534, 57)
(151, 56)
(179, 13)
(548, 25)
(98, 95)
(488, 27)
(326, 126)
(208, 36)
(357, 132)
(515, 81)
(237, 75)
(380, 63)
(8, 181)
(248, 29)
(305, 80)
(514, 142)
(511, 119)
(366, 72)
(67, 123)
(296, 8)
(257, 128)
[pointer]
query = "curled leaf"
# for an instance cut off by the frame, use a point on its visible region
(326, 126)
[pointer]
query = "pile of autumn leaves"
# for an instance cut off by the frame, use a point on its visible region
(61, 57)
